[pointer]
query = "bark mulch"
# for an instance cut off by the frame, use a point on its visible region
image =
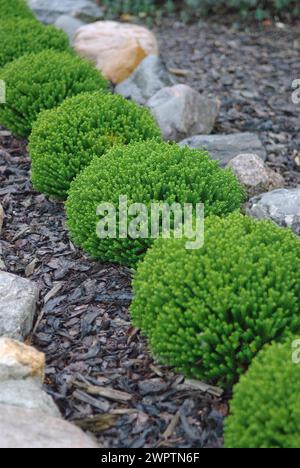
(99, 370)
(251, 71)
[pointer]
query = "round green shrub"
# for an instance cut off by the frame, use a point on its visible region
(265, 410)
(208, 312)
(145, 172)
(41, 81)
(20, 36)
(15, 9)
(64, 140)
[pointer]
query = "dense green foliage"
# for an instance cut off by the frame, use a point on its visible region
(265, 410)
(20, 36)
(41, 81)
(209, 311)
(259, 9)
(64, 140)
(145, 172)
(132, 7)
(15, 9)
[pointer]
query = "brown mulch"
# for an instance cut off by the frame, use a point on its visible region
(99, 370)
(251, 72)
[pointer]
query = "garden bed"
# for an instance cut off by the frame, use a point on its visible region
(251, 72)
(99, 370)
(84, 329)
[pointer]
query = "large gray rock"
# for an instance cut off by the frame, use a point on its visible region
(254, 174)
(25, 428)
(69, 25)
(18, 298)
(226, 147)
(281, 206)
(48, 11)
(181, 111)
(150, 77)
(27, 394)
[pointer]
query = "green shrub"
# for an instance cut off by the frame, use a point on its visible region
(265, 410)
(64, 140)
(15, 9)
(21, 36)
(190, 9)
(41, 81)
(145, 172)
(209, 311)
(266, 8)
(258, 9)
(133, 7)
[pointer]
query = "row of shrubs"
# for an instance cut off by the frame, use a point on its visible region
(207, 312)
(189, 9)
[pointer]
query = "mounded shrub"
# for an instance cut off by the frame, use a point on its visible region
(41, 81)
(64, 140)
(265, 410)
(15, 9)
(209, 311)
(145, 172)
(20, 36)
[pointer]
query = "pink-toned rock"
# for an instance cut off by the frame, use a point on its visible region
(116, 48)
(254, 174)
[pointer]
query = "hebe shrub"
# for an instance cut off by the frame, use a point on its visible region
(15, 9)
(41, 81)
(20, 36)
(265, 410)
(145, 172)
(209, 311)
(65, 140)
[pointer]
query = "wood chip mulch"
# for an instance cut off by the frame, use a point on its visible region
(99, 370)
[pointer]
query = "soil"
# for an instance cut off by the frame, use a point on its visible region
(99, 369)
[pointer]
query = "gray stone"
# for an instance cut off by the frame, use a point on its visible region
(281, 206)
(69, 25)
(150, 77)
(1, 218)
(181, 111)
(254, 174)
(47, 11)
(226, 147)
(18, 298)
(25, 428)
(27, 394)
